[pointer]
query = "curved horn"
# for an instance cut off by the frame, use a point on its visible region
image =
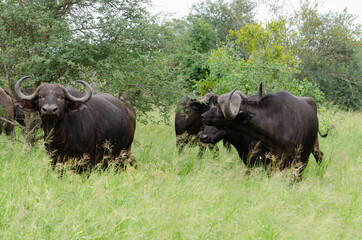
(206, 98)
(86, 96)
(19, 94)
(227, 110)
(260, 90)
(241, 94)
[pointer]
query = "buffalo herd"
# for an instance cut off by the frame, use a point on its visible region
(276, 130)
(86, 131)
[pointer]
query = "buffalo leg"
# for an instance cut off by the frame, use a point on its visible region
(227, 145)
(125, 158)
(181, 142)
(202, 149)
(317, 153)
(9, 129)
(298, 170)
(214, 149)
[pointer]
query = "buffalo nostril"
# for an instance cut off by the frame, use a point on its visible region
(49, 109)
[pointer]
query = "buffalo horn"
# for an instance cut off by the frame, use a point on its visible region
(86, 96)
(242, 95)
(227, 111)
(206, 98)
(19, 94)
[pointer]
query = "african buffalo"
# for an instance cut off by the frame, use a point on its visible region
(188, 123)
(90, 129)
(286, 125)
(250, 151)
(6, 112)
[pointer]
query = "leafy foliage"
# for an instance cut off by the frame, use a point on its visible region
(223, 16)
(256, 54)
(329, 47)
(120, 48)
(206, 27)
(115, 45)
(199, 38)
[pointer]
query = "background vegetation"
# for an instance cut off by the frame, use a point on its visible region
(171, 196)
(152, 61)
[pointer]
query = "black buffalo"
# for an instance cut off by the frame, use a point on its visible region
(6, 112)
(286, 125)
(188, 122)
(91, 130)
(251, 151)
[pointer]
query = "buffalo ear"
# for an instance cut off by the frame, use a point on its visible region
(76, 106)
(246, 115)
(26, 105)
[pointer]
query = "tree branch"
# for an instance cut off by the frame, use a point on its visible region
(11, 122)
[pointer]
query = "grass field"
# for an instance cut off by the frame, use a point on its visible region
(171, 196)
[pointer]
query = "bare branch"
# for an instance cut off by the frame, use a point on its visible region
(11, 122)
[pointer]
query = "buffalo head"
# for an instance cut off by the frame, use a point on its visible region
(226, 107)
(200, 105)
(51, 100)
(213, 135)
(230, 106)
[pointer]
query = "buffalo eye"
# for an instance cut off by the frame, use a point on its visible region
(40, 97)
(61, 97)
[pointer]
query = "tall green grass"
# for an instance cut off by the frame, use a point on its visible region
(171, 196)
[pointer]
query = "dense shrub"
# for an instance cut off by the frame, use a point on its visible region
(253, 55)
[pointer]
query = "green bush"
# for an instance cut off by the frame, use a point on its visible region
(256, 55)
